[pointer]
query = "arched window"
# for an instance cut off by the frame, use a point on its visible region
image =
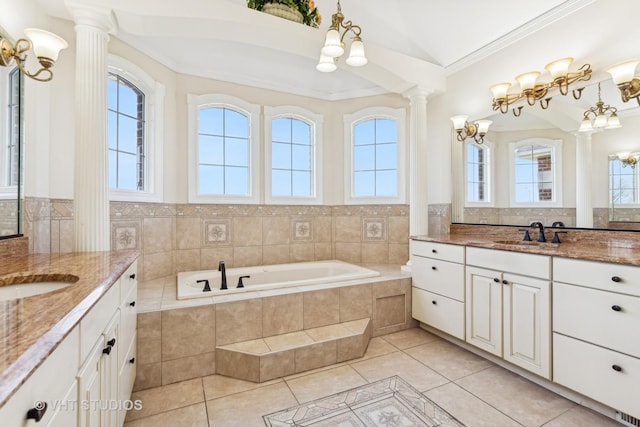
(478, 173)
(536, 177)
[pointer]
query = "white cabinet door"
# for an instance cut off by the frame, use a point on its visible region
(90, 387)
(484, 309)
(109, 372)
(527, 328)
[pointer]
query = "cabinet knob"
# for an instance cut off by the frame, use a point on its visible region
(616, 279)
(505, 282)
(132, 303)
(616, 308)
(37, 412)
(495, 279)
(433, 251)
(132, 360)
(434, 268)
(133, 276)
(111, 342)
(617, 368)
(107, 350)
(434, 302)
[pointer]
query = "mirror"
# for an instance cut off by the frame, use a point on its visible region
(558, 123)
(11, 154)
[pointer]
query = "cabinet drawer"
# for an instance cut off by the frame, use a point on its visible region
(600, 275)
(592, 315)
(128, 319)
(588, 369)
(96, 320)
(441, 277)
(442, 251)
(440, 312)
(533, 265)
(128, 280)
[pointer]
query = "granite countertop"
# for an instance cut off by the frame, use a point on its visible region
(616, 251)
(31, 328)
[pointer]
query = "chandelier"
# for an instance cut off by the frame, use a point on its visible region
(604, 117)
(45, 45)
(334, 44)
(623, 76)
(533, 91)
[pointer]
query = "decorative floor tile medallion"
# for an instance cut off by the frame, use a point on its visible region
(391, 402)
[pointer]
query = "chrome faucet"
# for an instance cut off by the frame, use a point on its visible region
(538, 224)
(223, 273)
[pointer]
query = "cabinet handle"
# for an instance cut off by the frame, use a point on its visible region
(133, 276)
(616, 308)
(434, 302)
(495, 279)
(433, 251)
(37, 412)
(617, 368)
(616, 279)
(111, 342)
(433, 268)
(505, 282)
(132, 360)
(107, 350)
(132, 303)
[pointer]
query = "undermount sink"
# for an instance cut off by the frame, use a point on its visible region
(16, 287)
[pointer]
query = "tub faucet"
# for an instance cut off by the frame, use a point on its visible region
(538, 224)
(223, 273)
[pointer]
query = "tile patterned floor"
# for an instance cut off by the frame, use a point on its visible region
(474, 391)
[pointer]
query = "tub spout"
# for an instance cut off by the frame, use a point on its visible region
(223, 273)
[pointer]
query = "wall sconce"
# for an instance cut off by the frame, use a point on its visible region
(628, 159)
(45, 45)
(465, 130)
(334, 44)
(604, 117)
(533, 91)
(623, 76)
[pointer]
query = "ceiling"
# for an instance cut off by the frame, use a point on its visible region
(409, 43)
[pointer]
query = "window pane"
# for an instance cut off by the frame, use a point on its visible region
(386, 156)
(112, 93)
(364, 184)
(472, 153)
(127, 134)
(386, 183)
(472, 194)
(211, 150)
(211, 180)
(386, 131)
(281, 182)
(281, 130)
(524, 173)
(128, 100)
(301, 132)
(113, 169)
(112, 124)
(236, 181)
(210, 121)
(363, 133)
(281, 156)
(364, 157)
(524, 193)
(236, 152)
(127, 176)
(236, 124)
(301, 183)
(301, 157)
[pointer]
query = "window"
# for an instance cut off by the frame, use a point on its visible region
(293, 156)
(478, 173)
(223, 135)
(376, 156)
(135, 109)
(13, 127)
(624, 183)
(535, 177)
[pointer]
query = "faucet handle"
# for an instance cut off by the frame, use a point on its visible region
(527, 237)
(206, 288)
(556, 238)
(240, 284)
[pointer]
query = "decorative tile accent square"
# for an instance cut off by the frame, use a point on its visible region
(217, 231)
(388, 402)
(303, 229)
(125, 235)
(374, 229)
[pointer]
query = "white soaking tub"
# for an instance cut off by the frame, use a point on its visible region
(269, 277)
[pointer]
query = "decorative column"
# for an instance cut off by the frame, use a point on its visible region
(418, 202)
(584, 207)
(91, 185)
(457, 176)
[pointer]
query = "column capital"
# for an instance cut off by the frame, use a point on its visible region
(101, 18)
(418, 92)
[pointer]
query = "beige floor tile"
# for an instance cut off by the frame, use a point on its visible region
(247, 408)
(192, 416)
(582, 417)
(166, 398)
(467, 408)
(519, 398)
(216, 386)
(325, 383)
(409, 338)
(407, 368)
(377, 347)
(448, 359)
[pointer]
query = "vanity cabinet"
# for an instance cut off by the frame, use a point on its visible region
(508, 303)
(438, 286)
(596, 337)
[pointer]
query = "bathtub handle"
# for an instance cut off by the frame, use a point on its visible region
(206, 288)
(240, 284)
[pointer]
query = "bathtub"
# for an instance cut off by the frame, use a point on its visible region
(268, 277)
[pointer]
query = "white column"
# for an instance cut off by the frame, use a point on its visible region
(91, 198)
(418, 202)
(457, 176)
(584, 207)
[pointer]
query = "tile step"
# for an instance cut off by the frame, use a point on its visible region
(277, 356)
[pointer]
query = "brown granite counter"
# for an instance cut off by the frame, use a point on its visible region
(31, 328)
